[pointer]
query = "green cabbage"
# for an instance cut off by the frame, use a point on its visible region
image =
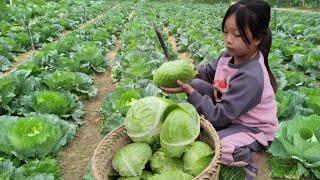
(6, 169)
(7, 91)
(311, 62)
(168, 73)
(144, 176)
(37, 169)
(51, 102)
(298, 139)
(91, 58)
(144, 118)
(64, 104)
(34, 136)
(197, 157)
(131, 159)
(46, 167)
(313, 98)
(172, 175)
(71, 81)
(179, 130)
(290, 104)
(160, 163)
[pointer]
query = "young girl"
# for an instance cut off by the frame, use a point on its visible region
(236, 92)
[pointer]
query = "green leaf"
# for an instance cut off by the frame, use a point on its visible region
(46, 167)
(281, 168)
(35, 136)
(63, 104)
(77, 82)
(231, 173)
(91, 58)
(6, 169)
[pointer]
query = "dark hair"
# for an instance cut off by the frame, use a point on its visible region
(255, 16)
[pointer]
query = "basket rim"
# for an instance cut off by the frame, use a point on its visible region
(217, 147)
(93, 164)
(213, 133)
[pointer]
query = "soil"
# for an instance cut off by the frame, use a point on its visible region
(264, 168)
(75, 158)
(185, 55)
(18, 61)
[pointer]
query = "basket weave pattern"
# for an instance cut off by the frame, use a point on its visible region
(102, 157)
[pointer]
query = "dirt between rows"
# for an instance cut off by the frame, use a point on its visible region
(75, 157)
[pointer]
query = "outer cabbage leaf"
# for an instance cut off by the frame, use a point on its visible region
(313, 98)
(172, 175)
(70, 64)
(48, 168)
(160, 163)
(131, 159)
(34, 136)
(231, 173)
(299, 139)
(127, 99)
(27, 84)
(7, 91)
(144, 176)
(4, 63)
(197, 157)
(311, 63)
(77, 82)
(290, 104)
(144, 118)
(280, 78)
(274, 60)
(6, 169)
(296, 79)
(91, 58)
(63, 104)
(281, 168)
(289, 50)
(117, 103)
(180, 128)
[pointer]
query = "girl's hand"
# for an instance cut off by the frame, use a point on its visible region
(182, 87)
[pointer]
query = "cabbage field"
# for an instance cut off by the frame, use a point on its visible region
(70, 71)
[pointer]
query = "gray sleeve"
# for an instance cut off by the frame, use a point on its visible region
(207, 72)
(245, 92)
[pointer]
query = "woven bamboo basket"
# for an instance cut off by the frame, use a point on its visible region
(111, 143)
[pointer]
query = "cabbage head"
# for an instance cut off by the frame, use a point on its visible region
(80, 83)
(91, 58)
(34, 136)
(172, 175)
(47, 169)
(131, 159)
(299, 139)
(197, 157)
(51, 102)
(63, 104)
(8, 86)
(160, 163)
(144, 118)
(144, 176)
(179, 130)
(169, 72)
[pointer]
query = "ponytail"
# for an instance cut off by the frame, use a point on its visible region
(264, 47)
(255, 15)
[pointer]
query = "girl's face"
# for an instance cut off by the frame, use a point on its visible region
(234, 43)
